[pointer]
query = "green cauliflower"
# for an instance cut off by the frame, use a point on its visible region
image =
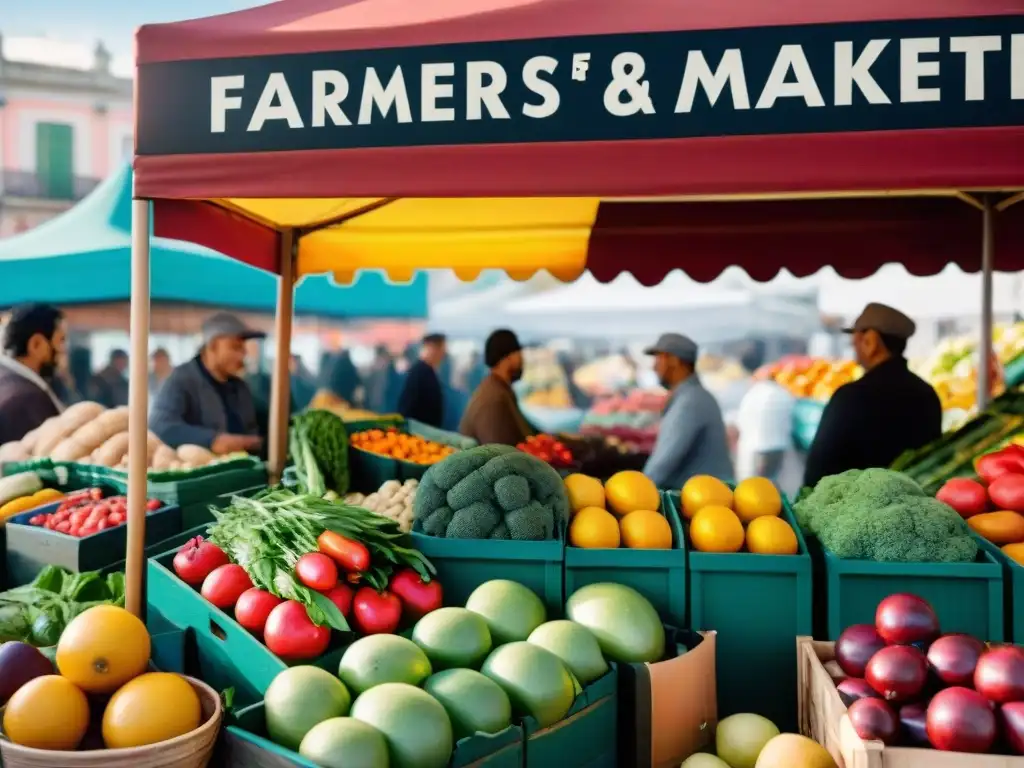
(884, 516)
(491, 492)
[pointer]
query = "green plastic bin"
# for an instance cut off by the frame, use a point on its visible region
(968, 597)
(246, 745)
(757, 604)
(657, 574)
(587, 737)
(464, 564)
(1013, 591)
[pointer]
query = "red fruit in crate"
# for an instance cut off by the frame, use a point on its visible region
(197, 559)
(254, 607)
(898, 672)
(914, 721)
(1011, 721)
(954, 657)
(968, 497)
(317, 571)
(225, 585)
(292, 635)
(418, 597)
(376, 613)
(904, 619)
(961, 720)
(853, 688)
(1007, 492)
(855, 646)
(874, 720)
(153, 505)
(999, 674)
(341, 596)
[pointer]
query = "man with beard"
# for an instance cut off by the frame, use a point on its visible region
(493, 415)
(33, 342)
(691, 438)
(204, 401)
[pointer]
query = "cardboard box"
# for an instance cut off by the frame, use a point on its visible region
(823, 718)
(669, 710)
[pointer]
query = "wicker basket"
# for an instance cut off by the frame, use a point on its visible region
(193, 750)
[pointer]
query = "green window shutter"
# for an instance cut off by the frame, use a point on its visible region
(55, 160)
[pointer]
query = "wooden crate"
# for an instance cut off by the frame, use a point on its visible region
(823, 718)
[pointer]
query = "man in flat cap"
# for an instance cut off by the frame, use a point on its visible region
(204, 401)
(691, 438)
(493, 415)
(422, 396)
(871, 421)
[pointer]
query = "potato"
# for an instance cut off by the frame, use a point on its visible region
(194, 455)
(163, 457)
(50, 433)
(14, 451)
(69, 449)
(28, 442)
(152, 443)
(78, 415)
(113, 421)
(112, 451)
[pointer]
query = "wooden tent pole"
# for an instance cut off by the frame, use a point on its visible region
(138, 407)
(280, 384)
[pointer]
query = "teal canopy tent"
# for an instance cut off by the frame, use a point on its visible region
(84, 256)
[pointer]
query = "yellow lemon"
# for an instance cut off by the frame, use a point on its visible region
(644, 529)
(756, 497)
(771, 536)
(704, 491)
(716, 529)
(584, 491)
(629, 491)
(594, 528)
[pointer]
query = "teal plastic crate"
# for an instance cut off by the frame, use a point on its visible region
(757, 604)
(968, 597)
(246, 745)
(587, 737)
(240, 659)
(464, 564)
(1013, 591)
(657, 574)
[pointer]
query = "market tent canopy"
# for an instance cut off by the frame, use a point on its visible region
(547, 98)
(84, 256)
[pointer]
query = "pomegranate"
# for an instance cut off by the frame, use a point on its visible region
(954, 657)
(854, 688)
(898, 672)
(1011, 720)
(857, 644)
(999, 675)
(903, 619)
(961, 720)
(874, 720)
(913, 719)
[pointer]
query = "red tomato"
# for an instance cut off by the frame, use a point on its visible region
(376, 613)
(317, 571)
(341, 596)
(225, 585)
(418, 597)
(86, 530)
(102, 525)
(544, 456)
(291, 634)
(254, 607)
(64, 527)
(350, 555)
(37, 519)
(115, 518)
(197, 560)
(95, 494)
(153, 505)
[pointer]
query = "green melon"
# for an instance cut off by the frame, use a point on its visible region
(575, 645)
(474, 702)
(378, 659)
(344, 742)
(415, 725)
(511, 610)
(536, 681)
(453, 638)
(300, 698)
(626, 626)
(704, 761)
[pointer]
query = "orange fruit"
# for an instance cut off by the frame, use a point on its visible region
(151, 708)
(47, 712)
(771, 536)
(629, 491)
(644, 529)
(103, 648)
(594, 528)
(716, 529)
(756, 497)
(584, 491)
(704, 491)
(1015, 552)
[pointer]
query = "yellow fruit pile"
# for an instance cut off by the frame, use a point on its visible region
(717, 516)
(622, 512)
(104, 650)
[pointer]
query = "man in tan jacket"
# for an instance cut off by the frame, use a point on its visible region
(493, 414)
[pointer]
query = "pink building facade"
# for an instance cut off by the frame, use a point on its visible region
(65, 124)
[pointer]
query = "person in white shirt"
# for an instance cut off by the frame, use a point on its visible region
(765, 425)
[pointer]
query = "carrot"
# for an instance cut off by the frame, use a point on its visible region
(350, 555)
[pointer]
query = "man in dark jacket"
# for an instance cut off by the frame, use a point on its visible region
(33, 341)
(869, 422)
(205, 402)
(493, 414)
(109, 387)
(422, 395)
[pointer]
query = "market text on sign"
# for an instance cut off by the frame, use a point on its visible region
(340, 98)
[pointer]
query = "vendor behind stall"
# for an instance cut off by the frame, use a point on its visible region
(493, 414)
(204, 401)
(691, 438)
(33, 343)
(869, 422)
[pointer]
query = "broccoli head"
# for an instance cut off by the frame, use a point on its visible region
(868, 489)
(491, 492)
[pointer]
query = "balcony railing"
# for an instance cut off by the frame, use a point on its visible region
(38, 186)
